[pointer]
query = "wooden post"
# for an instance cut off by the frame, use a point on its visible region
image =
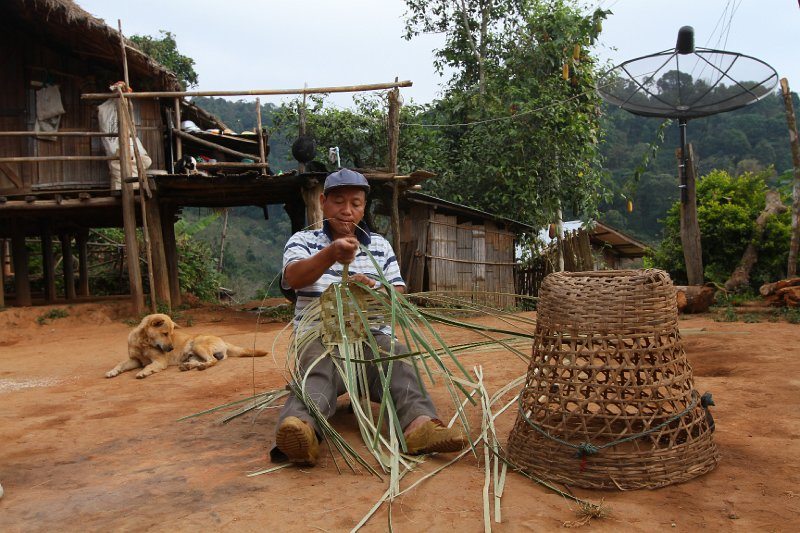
(48, 265)
(7, 271)
(313, 210)
(160, 291)
(690, 227)
(171, 253)
(393, 131)
(81, 239)
(222, 241)
(560, 239)
(68, 265)
(261, 149)
(22, 282)
(178, 141)
(794, 243)
(129, 213)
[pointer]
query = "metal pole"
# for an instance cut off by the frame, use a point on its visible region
(684, 160)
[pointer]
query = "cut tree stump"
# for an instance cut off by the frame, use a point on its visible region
(694, 299)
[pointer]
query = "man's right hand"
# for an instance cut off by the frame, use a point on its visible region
(345, 249)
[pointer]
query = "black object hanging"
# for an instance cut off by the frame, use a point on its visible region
(304, 149)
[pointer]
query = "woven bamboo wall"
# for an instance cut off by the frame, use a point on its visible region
(475, 261)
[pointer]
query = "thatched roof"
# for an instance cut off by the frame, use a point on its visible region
(65, 22)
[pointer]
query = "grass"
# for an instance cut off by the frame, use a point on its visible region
(50, 315)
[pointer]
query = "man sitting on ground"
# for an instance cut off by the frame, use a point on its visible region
(309, 262)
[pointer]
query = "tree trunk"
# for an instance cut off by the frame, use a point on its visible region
(794, 243)
(693, 299)
(741, 275)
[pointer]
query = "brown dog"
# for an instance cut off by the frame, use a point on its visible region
(154, 345)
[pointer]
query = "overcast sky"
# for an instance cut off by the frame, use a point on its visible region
(268, 44)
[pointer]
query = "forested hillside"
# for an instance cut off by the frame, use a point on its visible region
(748, 139)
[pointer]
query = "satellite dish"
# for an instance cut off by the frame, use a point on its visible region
(687, 82)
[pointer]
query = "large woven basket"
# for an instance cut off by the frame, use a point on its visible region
(609, 399)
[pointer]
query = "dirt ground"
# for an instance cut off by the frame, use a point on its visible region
(82, 452)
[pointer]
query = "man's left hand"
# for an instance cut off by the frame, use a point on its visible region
(366, 280)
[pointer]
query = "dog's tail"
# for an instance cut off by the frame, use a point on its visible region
(238, 351)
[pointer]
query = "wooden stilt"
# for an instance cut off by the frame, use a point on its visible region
(129, 214)
(81, 238)
(68, 265)
(171, 253)
(22, 282)
(2, 273)
(48, 265)
(158, 260)
(297, 215)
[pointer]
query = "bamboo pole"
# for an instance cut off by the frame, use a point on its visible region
(178, 141)
(124, 54)
(44, 159)
(794, 243)
(56, 134)
(262, 158)
(209, 144)
(393, 132)
(129, 214)
(256, 92)
(232, 164)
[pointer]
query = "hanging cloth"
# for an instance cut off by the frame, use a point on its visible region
(107, 118)
(48, 111)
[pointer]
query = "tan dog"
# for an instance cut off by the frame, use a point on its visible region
(154, 344)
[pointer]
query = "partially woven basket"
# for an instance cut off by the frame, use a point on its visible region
(609, 400)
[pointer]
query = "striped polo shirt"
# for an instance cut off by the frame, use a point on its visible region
(304, 244)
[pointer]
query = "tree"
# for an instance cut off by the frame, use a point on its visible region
(165, 51)
(727, 211)
(528, 140)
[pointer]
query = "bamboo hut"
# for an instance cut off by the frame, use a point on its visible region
(448, 247)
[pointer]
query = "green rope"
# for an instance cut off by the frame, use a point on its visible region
(586, 449)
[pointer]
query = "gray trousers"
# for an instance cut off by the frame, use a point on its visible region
(324, 385)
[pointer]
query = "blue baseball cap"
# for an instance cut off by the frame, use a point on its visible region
(345, 178)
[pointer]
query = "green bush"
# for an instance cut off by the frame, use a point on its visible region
(727, 208)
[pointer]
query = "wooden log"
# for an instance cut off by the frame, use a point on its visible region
(740, 278)
(794, 242)
(171, 253)
(769, 289)
(81, 239)
(68, 266)
(129, 216)
(48, 264)
(790, 296)
(22, 282)
(393, 131)
(254, 92)
(690, 228)
(694, 299)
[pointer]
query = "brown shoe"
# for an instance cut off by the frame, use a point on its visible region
(434, 437)
(298, 441)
